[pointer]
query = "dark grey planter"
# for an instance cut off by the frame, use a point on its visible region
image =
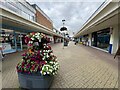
(34, 81)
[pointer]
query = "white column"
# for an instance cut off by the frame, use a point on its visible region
(21, 42)
(78, 39)
(114, 39)
(111, 35)
(15, 41)
(90, 39)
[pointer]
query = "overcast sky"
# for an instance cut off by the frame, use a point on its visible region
(75, 12)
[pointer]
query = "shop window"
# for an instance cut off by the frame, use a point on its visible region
(101, 39)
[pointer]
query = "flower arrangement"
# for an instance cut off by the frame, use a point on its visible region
(39, 57)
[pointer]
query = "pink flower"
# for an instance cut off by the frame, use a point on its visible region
(26, 39)
(24, 54)
(28, 72)
(33, 33)
(33, 58)
(29, 45)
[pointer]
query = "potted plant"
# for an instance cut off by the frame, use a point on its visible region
(38, 65)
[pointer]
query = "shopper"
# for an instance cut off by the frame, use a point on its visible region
(1, 54)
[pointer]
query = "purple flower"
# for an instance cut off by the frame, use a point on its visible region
(33, 58)
(28, 72)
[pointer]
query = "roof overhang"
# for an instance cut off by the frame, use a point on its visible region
(13, 20)
(106, 17)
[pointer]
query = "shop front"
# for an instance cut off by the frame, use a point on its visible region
(57, 39)
(101, 39)
(85, 40)
(11, 41)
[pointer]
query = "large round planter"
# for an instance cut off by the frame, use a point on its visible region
(34, 81)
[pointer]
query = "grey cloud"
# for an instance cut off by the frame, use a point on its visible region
(75, 13)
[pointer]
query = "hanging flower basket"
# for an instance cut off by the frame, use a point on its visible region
(38, 65)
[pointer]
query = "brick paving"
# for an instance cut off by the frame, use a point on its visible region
(80, 67)
(0, 73)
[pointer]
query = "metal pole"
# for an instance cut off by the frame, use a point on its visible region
(63, 40)
(63, 33)
(119, 23)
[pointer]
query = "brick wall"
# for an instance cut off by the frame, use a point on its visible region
(43, 20)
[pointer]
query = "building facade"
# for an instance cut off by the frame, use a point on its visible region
(42, 18)
(18, 18)
(12, 37)
(101, 31)
(57, 39)
(20, 7)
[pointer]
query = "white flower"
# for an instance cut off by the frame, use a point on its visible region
(39, 39)
(33, 35)
(47, 68)
(43, 58)
(53, 73)
(30, 42)
(51, 62)
(50, 70)
(51, 53)
(47, 56)
(44, 73)
(41, 72)
(44, 53)
(32, 38)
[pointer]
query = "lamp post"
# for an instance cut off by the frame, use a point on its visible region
(63, 29)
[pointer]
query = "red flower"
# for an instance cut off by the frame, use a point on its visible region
(33, 67)
(33, 33)
(42, 62)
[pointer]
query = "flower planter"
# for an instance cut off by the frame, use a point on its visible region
(38, 65)
(34, 81)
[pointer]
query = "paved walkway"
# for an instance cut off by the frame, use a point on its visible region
(0, 74)
(80, 67)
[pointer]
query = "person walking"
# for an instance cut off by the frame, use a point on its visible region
(1, 53)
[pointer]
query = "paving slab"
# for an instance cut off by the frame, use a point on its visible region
(80, 67)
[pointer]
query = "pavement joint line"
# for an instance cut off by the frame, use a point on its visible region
(98, 79)
(81, 73)
(107, 80)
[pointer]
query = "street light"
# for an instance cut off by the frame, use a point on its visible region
(63, 29)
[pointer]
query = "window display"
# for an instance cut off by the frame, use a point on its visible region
(12, 41)
(101, 39)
